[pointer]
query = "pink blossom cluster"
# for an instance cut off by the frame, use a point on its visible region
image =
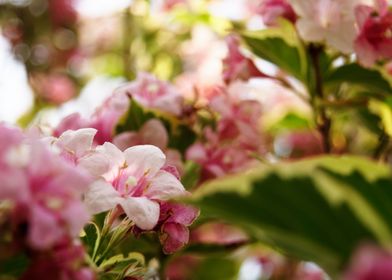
(236, 140)
(42, 195)
(137, 182)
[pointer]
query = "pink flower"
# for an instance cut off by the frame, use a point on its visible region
(45, 191)
(153, 132)
(104, 119)
(272, 10)
(154, 93)
(173, 223)
(132, 179)
(374, 41)
(229, 148)
(370, 263)
(54, 88)
(327, 21)
(66, 261)
(236, 65)
(73, 144)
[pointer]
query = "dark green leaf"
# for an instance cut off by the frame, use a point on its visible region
(355, 75)
(318, 209)
(181, 136)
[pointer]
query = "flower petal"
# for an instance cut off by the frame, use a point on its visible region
(105, 160)
(144, 159)
(100, 197)
(77, 141)
(164, 185)
(141, 210)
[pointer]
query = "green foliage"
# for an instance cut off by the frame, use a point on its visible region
(217, 268)
(120, 266)
(91, 238)
(280, 46)
(191, 174)
(318, 209)
(13, 267)
(290, 121)
(354, 75)
(181, 136)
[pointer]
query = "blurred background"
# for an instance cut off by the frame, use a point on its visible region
(52, 50)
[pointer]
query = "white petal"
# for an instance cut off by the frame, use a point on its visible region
(77, 141)
(141, 210)
(104, 161)
(144, 159)
(100, 197)
(164, 186)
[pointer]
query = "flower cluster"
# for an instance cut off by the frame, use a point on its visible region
(236, 140)
(41, 193)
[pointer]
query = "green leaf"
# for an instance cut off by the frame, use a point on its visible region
(318, 209)
(217, 268)
(191, 174)
(91, 237)
(122, 266)
(291, 121)
(13, 266)
(355, 75)
(280, 46)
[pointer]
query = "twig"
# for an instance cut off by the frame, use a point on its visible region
(322, 119)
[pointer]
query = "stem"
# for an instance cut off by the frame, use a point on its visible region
(382, 145)
(322, 120)
(129, 71)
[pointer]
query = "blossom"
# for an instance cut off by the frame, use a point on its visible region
(272, 10)
(54, 88)
(236, 65)
(72, 144)
(133, 180)
(229, 147)
(370, 263)
(154, 93)
(104, 119)
(153, 132)
(374, 41)
(66, 261)
(44, 190)
(173, 223)
(329, 21)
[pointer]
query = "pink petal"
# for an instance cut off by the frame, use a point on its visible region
(100, 197)
(44, 228)
(164, 186)
(14, 185)
(77, 141)
(154, 133)
(105, 160)
(174, 237)
(144, 159)
(142, 211)
(127, 139)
